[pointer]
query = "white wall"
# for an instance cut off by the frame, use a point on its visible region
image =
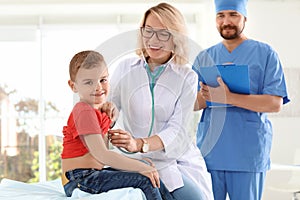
(277, 22)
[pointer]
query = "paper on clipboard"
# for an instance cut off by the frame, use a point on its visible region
(236, 77)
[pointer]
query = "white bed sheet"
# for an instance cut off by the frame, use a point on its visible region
(16, 190)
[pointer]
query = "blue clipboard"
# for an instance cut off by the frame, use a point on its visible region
(236, 77)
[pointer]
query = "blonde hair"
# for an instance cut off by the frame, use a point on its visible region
(174, 21)
(87, 60)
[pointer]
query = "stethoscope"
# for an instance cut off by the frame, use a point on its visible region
(152, 81)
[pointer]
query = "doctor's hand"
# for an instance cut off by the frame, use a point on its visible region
(220, 94)
(111, 110)
(123, 139)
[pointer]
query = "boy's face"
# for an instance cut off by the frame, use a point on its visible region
(92, 85)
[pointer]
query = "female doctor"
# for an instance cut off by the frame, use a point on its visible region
(155, 92)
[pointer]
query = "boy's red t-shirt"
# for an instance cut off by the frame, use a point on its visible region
(83, 120)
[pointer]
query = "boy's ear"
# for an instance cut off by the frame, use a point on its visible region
(72, 86)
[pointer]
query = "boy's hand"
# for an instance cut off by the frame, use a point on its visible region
(153, 175)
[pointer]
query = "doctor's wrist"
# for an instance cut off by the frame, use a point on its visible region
(145, 145)
(139, 145)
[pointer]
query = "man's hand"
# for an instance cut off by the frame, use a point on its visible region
(218, 94)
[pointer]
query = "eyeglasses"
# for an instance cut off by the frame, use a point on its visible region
(161, 34)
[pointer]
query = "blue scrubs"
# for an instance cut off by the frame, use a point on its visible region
(235, 139)
(240, 185)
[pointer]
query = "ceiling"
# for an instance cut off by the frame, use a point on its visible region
(36, 12)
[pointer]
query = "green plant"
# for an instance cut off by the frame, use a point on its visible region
(53, 163)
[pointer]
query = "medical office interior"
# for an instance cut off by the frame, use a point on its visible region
(39, 37)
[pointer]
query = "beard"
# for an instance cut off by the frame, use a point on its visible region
(232, 36)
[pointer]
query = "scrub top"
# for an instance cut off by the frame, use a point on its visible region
(232, 138)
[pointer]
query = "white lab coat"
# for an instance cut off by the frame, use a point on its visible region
(174, 97)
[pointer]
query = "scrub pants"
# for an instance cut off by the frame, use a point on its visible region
(96, 181)
(238, 185)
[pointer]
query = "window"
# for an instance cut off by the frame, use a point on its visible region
(35, 99)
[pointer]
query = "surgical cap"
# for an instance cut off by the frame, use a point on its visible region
(237, 5)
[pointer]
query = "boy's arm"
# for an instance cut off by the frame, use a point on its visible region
(97, 148)
(105, 139)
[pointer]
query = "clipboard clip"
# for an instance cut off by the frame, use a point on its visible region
(226, 65)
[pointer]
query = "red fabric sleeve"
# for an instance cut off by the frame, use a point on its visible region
(89, 120)
(104, 121)
(84, 119)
